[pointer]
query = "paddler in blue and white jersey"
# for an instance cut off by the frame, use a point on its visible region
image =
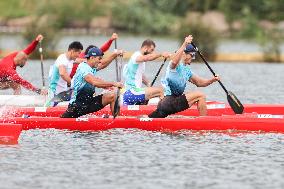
(174, 83)
(134, 75)
(59, 73)
(84, 99)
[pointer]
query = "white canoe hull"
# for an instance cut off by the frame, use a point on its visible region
(22, 100)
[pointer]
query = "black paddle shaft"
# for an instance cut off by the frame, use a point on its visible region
(156, 76)
(116, 108)
(234, 102)
(212, 71)
(116, 104)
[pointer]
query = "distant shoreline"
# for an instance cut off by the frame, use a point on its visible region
(219, 57)
(68, 31)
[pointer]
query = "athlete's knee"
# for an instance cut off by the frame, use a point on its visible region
(198, 95)
(15, 86)
(17, 89)
(201, 95)
(160, 90)
(110, 97)
(113, 97)
(17, 92)
(152, 92)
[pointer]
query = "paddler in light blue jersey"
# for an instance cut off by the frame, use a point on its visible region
(134, 75)
(177, 75)
(84, 99)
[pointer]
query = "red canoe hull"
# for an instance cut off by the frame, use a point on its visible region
(9, 133)
(246, 122)
(214, 109)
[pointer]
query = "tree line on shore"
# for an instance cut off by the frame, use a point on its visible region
(207, 20)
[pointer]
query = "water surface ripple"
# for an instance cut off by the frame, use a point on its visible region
(139, 159)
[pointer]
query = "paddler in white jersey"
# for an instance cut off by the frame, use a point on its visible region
(134, 75)
(177, 75)
(59, 75)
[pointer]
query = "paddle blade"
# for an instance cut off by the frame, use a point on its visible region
(61, 97)
(235, 104)
(116, 108)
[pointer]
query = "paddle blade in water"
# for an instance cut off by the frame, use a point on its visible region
(235, 104)
(116, 108)
(61, 97)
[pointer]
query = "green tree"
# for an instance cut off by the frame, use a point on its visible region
(141, 18)
(205, 38)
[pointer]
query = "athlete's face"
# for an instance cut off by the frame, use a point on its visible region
(96, 60)
(188, 57)
(21, 59)
(149, 49)
(75, 54)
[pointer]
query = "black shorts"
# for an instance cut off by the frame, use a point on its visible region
(170, 105)
(83, 106)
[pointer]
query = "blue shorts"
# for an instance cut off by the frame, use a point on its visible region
(135, 96)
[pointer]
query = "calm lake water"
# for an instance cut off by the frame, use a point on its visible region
(138, 159)
(141, 159)
(250, 82)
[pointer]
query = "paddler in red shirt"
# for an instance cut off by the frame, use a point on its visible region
(81, 58)
(9, 77)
